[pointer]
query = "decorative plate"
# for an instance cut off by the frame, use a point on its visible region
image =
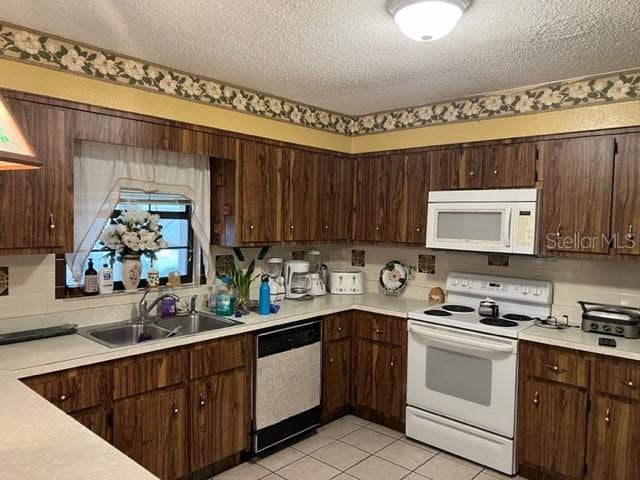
(393, 277)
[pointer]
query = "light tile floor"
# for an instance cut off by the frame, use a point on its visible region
(354, 449)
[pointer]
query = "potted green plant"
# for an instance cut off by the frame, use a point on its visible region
(241, 281)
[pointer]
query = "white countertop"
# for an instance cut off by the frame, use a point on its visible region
(39, 441)
(577, 339)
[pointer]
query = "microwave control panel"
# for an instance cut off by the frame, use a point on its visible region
(525, 228)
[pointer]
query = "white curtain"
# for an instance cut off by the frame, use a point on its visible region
(101, 170)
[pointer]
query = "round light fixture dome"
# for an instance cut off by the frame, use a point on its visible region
(427, 20)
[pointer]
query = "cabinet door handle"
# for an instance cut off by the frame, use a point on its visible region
(202, 400)
(330, 359)
(326, 227)
(63, 397)
(339, 329)
(418, 229)
(393, 362)
(607, 416)
(627, 383)
(251, 226)
(559, 231)
(495, 172)
(471, 173)
(377, 229)
(555, 368)
(378, 331)
(536, 398)
(52, 223)
(630, 235)
(291, 227)
(174, 407)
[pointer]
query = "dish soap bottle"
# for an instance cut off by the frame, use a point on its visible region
(224, 299)
(105, 280)
(265, 296)
(90, 280)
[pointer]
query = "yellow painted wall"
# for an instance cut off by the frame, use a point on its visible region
(595, 117)
(42, 81)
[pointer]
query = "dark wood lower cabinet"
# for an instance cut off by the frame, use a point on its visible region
(583, 422)
(336, 377)
(614, 436)
(220, 408)
(152, 429)
(98, 421)
(553, 421)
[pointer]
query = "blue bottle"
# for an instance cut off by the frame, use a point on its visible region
(265, 296)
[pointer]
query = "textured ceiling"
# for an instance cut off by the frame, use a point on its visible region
(348, 55)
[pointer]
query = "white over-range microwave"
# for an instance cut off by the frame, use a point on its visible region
(498, 221)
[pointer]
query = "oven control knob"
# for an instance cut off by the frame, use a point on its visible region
(464, 282)
(607, 328)
(526, 290)
(619, 330)
(454, 281)
(537, 291)
(594, 326)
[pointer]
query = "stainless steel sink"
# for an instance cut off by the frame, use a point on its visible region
(196, 323)
(119, 335)
(122, 334)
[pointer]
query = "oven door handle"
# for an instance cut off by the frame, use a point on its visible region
(461, 342)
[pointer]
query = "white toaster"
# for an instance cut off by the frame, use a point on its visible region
(346, 282)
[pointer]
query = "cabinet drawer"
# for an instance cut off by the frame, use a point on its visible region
(559, 365)
(617, 377)
(74, 389)
(142, 373)
(381, 328)
(336, 326)
(219, 355)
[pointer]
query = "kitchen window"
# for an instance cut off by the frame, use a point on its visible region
(175, 219)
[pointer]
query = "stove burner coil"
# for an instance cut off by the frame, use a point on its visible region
(458, 308)
(498, 322)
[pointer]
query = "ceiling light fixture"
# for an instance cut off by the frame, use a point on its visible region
(427, 20)
(16, 153)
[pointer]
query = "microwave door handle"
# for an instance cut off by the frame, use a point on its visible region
(461, 342)
(507, 240)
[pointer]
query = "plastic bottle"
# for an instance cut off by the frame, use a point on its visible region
(265, 296)
(105, 279)
(224, 299)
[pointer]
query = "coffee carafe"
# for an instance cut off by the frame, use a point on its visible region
(297, 279)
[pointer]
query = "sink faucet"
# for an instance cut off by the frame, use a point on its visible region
(143, 309)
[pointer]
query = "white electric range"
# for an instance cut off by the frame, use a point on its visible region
(462, 367)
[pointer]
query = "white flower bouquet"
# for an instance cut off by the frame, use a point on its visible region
(133, 233)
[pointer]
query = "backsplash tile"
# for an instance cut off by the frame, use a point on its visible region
(496, 260)
(427, 264)
(358, 258)
(4, 281)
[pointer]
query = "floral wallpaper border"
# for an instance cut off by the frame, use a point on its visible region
(36, 48)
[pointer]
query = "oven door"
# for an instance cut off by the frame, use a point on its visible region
(477, 227)
(466, 376)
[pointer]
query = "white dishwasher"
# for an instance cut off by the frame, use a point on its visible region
(288, 383)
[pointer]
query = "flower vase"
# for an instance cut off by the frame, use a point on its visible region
(131, 270)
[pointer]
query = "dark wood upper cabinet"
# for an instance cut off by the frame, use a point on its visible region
(152, 429)
(38, 211)
(626, 195)
(300, 196)
(260, 193)
(576, 201)
(408, 193)
(509, 166)
(456, 169)
(335, 197)
(370, 199)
